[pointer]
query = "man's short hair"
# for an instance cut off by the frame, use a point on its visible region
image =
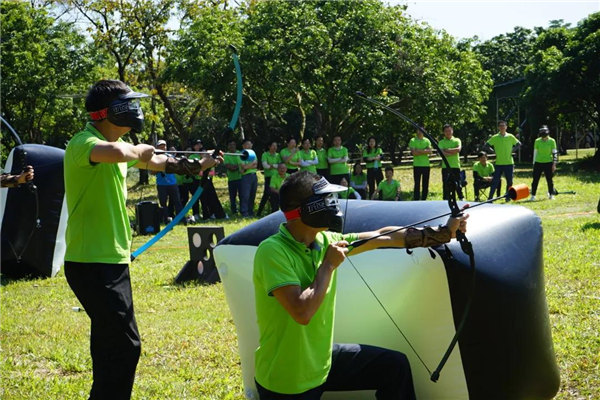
(481, 154)
(232, 141)
(502, 122)
(447, 126)
(296, 189)
(103, 93)
(246, 140)
(389, 168)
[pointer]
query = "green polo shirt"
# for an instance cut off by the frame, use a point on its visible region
(234, 160)
(454, 159)
(277, 181)
(358, 180)
(271, 159)
(308, 156)
(503, 148)
(370, 153)
(338, 168)
(420, 144)
(482, 171)
(389, 190)
(98, 229)
(322, 156)
(285, 152)
(292, 358)
(544, 150)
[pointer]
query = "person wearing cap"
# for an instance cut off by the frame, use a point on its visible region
(168, 192)
(295, 280)
(503, 144)
(211, 205)
(545, 157)
(98, 235)
(483, 170)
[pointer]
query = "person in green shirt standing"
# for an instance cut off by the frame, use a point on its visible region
(420, 148)
(275, 185)
(98, 235)
(211, 205)
(451, 147)
(291, 155)
(337, 156)
(322, 165)
(270, 161)
(388, 189)
(372, 157)
(545, 157)
(248, 184)
(358, 180)
(308, 157)
(233, 166)
(295, 281)
(482, 173)
(503, 144)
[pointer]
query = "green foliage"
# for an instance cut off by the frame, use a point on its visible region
(44, 62)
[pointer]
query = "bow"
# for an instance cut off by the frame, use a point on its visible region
(466, 246)
(198, 193)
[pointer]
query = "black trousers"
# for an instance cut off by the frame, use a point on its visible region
(104, 291)
(170, 192)
(446, 184)
(265, 197)
(538, 168)
(360, 367)
(209, 200)
(374, 176)
(323, 172)
(274, 200)
(421, 174)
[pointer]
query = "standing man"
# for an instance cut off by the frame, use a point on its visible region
(98, 235)
(545, 157)
(249, 183)
(482, 173)
(420, 148)
(211, 205)
(451, 147)
(270, 161)
(337, 156)
(166, 184)
(322, 165)
(503, 144)
(233, 166)
(295, 280)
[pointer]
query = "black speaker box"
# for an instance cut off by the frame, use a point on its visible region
(201, 267)
(147, 217)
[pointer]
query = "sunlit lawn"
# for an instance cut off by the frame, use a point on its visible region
(189, 340)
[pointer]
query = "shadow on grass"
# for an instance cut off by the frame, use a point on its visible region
(590, 225)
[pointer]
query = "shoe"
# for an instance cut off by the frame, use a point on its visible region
(550, 196)
(532, 198)
(191, 219)
(169, 219)
(212, 216)
(196, 217)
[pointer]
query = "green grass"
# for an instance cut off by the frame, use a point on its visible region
(189, 347)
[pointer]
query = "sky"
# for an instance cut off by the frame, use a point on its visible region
(489, 18)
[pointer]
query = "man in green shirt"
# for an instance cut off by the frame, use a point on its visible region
(308, 157)
(98, 235)
(503, 144)
(420, 148)
(545, 157)
(233, 167)
(482, 173)
(322, 165)
(295, 280)
(337, 156)
(388, 189)
(451, 147)
(372, 157)
(270, 161)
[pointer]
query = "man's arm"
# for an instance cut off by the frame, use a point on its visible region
(303, 304)
(412, 237)
(116, 152)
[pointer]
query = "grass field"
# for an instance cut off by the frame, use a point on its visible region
(189, 348)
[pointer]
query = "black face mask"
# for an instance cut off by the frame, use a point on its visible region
(127, 112)
(323, 211)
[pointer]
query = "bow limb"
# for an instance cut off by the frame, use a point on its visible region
(198, 192)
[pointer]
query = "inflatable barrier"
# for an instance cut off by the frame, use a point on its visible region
(34, 216)
(505, 350)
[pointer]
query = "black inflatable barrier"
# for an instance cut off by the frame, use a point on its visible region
(506, 346)
(34, 220)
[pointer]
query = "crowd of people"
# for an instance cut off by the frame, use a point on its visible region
(376, 183)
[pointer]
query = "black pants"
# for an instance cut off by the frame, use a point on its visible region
(421, 174)
(265, 197)
(374, 176)
(479, 185)
(209, 200)
(360, 367)
(274, 200)
(323, 172)
(234, 193)
(104, 291)
(538, 168)
(446, 183)
(170, 192)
